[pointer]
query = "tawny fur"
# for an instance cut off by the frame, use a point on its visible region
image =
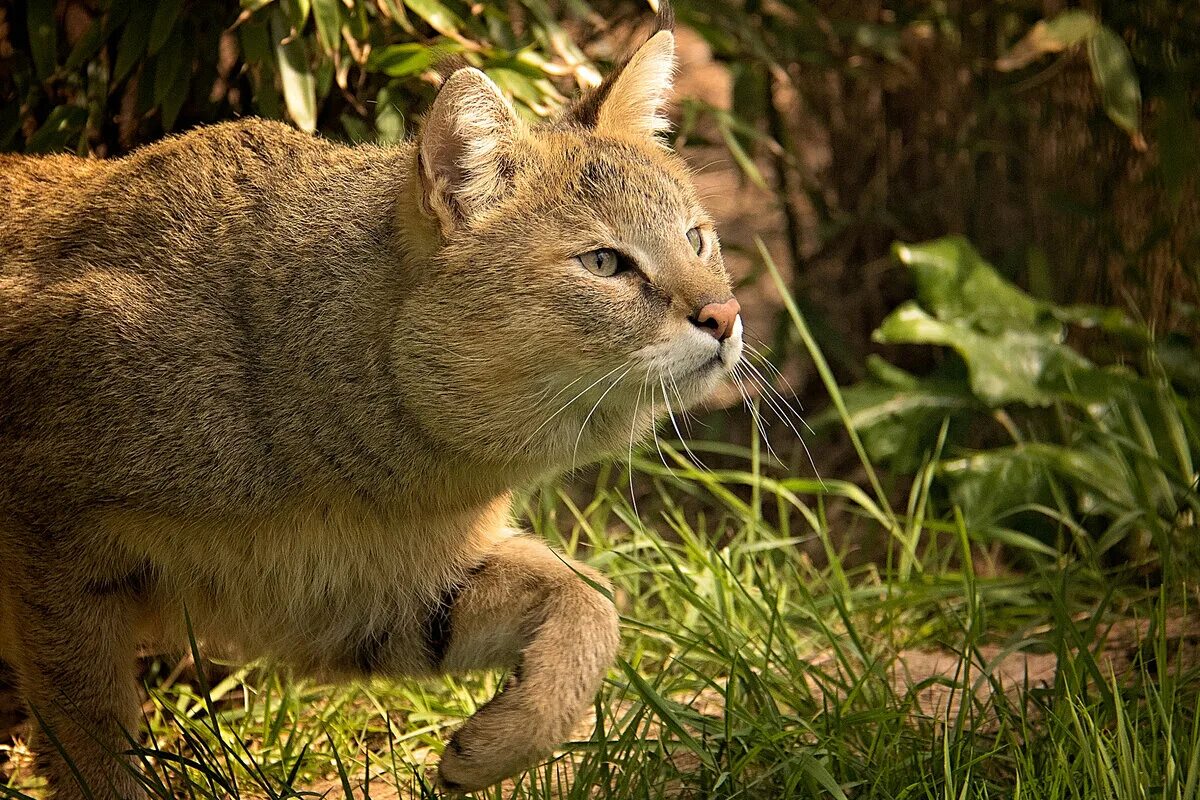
(287, 387)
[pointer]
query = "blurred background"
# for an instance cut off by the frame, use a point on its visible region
(966, 236)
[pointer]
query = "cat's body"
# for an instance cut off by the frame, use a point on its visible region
(287, 386)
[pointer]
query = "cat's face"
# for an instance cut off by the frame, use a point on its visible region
(580, 290)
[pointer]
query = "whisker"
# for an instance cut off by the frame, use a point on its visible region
(567, 405)
(654, 433)
(774, 370)
(755, 414)
(583, 427)
(682, 440)
(632, 429)
(769, 388)
(766, 394)
(682, 405)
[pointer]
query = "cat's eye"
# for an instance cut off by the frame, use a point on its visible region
(604, 262)
(696, 239)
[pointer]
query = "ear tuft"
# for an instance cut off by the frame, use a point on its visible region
(630, 100)
(664, 20)
(465, 143)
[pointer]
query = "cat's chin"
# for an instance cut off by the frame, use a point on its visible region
(699, 385)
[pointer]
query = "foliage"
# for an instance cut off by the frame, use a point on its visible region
(106, 80)
(908, 120)
(1111, 445)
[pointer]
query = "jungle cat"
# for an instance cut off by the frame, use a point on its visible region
(284, 389)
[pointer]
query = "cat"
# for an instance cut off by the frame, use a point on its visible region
(279, 392)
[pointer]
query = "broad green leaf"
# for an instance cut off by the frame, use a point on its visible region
(987, 485)
(61, 128)
(255, 39)
(402, 60)
(395, 10)
(356, 130)
(1005, 365)
(295, 12)
(132, 46)
(172, 77)
(1089, 466)
(328, 16)
(440, 18)
(389, 118)
(898, 413)
(955, 282)
(43, 36)
(1070, 28)
(1112, 69)
(1012, 344)
(295, 72)
(166, 14)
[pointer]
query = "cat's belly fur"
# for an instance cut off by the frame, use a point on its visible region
(306, 586)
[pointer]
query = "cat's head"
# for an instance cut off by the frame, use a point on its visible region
(578, 286)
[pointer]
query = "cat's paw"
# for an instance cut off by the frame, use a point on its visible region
(481, 753)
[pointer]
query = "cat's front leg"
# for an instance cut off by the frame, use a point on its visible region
(73, 648)
(525, 607)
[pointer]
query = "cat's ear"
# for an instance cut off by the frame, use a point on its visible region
(466, 147)
(630, 101)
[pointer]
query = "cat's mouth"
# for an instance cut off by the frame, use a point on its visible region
(717, 361)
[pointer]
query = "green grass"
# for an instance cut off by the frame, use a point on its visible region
(759, 660)
(749, 671)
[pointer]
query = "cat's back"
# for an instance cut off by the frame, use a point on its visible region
(165, 302)
(61, 209)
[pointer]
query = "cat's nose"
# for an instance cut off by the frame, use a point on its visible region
(718, 318)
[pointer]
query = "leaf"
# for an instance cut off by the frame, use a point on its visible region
(166, 70)
(440, 18)
(295, 72)
(173, 77)
(356, 130)
(987, 485)
(132, 46)
(256, 47)
(663, 710)
(389, 119)
(60, 128)
(43, 37)
(401, 60)
(296, 13)
(1011, 343)
(955, 282)
(328, 16)
(166, 14)
(1112, 69)
(1068, 29)
(88, 45)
